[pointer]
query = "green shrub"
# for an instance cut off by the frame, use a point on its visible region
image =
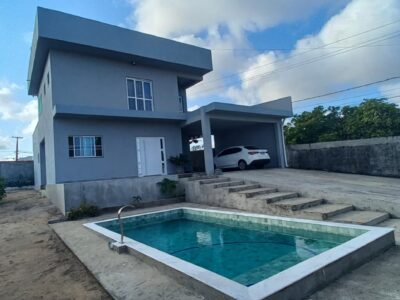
(179, 160)
(2, 188)
(168, 187)
(83, 211)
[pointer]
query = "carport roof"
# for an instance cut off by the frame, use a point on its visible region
(280, 108)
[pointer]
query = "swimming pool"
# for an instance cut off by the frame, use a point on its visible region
(238, 253)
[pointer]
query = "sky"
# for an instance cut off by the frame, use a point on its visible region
(261, 49)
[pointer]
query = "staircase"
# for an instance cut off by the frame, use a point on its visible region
(251, 196)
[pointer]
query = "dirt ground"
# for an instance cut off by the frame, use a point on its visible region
(34, 263)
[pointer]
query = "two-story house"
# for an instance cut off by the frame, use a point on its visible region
(112, 106)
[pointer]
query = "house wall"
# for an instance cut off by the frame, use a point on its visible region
(119, 147)
(261, 135)
(92, 81)
(110, 193)
(44, 128)
(376, 156)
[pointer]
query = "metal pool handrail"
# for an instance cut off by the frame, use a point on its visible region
(121, 224)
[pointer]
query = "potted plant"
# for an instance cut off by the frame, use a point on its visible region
(179, 162)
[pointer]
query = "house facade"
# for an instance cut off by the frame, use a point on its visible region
(112, 106)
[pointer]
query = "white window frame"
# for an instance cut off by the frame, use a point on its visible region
(143, 98)
(81, 137)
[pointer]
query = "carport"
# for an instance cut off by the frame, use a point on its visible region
(259, 125)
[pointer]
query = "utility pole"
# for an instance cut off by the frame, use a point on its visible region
(16, 147)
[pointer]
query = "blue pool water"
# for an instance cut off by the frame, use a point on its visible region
(245, 253)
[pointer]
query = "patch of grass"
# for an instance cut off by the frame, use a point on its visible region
(83, 211)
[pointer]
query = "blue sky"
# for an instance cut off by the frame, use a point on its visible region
(261, 49)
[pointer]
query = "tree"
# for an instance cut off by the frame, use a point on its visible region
(372, 118)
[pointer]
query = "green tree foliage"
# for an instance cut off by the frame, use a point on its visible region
(372, 118)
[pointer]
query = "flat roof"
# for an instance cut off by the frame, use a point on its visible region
(279, 108)
(61, 31)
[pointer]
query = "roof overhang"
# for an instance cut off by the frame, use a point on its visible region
(271, 110)
(55, 30)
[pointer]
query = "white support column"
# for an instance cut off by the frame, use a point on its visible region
(206, 133)
(280, 144)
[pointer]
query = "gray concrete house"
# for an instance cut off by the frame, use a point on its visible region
(112, 110)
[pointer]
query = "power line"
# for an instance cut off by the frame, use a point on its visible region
(352, 97)
(290, 49)
(301, 53)
(306, 62)
(348, 89)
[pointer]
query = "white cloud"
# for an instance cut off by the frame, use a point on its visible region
(355, 67)
(193, 107)
(225, 24)
(222, 24)
(5, 142)
(13, 110)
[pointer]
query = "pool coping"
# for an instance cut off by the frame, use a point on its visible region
(291, 281)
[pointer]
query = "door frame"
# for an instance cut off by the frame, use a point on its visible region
(164, 164)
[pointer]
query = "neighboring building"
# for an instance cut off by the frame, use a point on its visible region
(112, 105)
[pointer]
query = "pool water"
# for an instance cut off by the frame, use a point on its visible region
(245, 253)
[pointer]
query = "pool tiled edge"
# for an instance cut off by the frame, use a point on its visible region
(298, 280)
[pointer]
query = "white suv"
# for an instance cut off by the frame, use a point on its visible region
(241, 157)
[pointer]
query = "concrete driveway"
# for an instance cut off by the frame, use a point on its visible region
(364, 192)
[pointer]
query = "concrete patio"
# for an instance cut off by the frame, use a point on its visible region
(364, 192)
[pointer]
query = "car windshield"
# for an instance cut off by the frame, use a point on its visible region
(251, 148)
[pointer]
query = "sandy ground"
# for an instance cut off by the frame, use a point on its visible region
(34, 263)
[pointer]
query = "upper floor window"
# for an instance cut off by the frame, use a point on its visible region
(44, 89)
(48, 78)
(40, 104)
(85, 146)
(140, 94)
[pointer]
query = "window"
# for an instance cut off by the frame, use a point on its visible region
(44, 89)
(140, 94)
(40, 105)
(85, 146)
(48, 78)
(230, 151)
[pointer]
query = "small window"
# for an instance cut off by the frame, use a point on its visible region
(140, 94)
(44, 89)
(48, 77)
(85, 146)
(40, 104)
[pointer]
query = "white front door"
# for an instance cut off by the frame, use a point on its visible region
(151, 156)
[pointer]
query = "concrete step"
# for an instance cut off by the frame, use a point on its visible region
(297, 203)
(214, 180)
(256, 192)
(227, 184)
(202, 177)
(277, 196)
(323, 212)
(185, 175)
(361, 217)
(243, 187)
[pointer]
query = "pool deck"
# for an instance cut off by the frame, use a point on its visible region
(127, 277)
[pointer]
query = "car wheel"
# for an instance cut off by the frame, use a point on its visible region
(242, 165)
